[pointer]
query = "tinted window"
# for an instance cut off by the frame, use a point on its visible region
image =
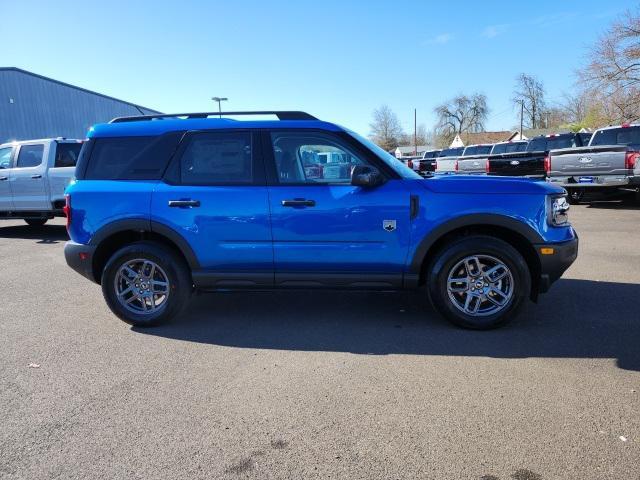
(510, 147)
(617, 136)
(477, 150)
(585, 137)
(131, 158)
(303, 157)
(5, 157)
(540, 144)
(30, 156)
(67, 154)
(217, 158)
(433, 154)
(451, 152)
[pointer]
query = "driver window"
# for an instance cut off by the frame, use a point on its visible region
(313, 158)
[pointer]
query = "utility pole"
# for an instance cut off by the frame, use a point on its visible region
(415, 133)
(521, 117)
(219, 100)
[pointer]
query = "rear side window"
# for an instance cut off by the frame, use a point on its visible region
(477, 150)
(131, 158)
(544, 144)
(217, 158)
(67, 154)
(451, 152)
(5, 157)
(30, 156)
(617, 136)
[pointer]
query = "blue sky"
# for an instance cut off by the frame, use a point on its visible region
(338, 60)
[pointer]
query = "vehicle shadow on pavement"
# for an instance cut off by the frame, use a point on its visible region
(46, 234)
(577, 319)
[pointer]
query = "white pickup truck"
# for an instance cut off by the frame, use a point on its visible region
(33, 177)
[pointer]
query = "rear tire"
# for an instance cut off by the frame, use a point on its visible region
(146, 284)
(36, 222)
(493, 281)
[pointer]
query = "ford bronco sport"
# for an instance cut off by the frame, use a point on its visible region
(167, 204)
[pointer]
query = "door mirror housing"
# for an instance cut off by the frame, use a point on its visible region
(366, 176)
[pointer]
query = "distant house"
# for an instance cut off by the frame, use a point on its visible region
(402, 152)
(464, 139)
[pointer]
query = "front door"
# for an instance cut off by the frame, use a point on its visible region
(27, 179)
(6, 203)
(327, 232)
(215, 197)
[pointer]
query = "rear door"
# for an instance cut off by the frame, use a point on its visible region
(28, 182)
(215, 197)
(327, 232)
(6, 157)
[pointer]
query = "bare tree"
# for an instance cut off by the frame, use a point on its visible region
(463, 113)
(575, 107)
(529, 94)
(613, 73)
(423, 136)
(386, 130)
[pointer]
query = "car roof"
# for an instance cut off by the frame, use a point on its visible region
(40, 140)
(158, 124)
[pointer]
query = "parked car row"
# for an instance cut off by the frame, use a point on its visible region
(579, 162)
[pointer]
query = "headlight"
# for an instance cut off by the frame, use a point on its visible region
(558, 211)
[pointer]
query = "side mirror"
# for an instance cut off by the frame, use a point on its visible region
(366, 176)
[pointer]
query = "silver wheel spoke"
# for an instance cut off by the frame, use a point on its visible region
(472, 264)
(472, 303)
(454, 284)
(142, 286)
(496, 273)
(497, 297)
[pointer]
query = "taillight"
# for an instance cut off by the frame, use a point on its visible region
(67, 209)
(630, 160)
(487, 166)
(455, 166)
(410, 163)
(547, 164)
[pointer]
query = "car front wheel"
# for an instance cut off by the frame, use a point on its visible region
(479, 282)
(146, 284)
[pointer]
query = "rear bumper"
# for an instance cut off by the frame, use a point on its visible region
(80, 258)
(599, 181)
(552, 266)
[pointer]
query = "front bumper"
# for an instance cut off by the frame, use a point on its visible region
(553, 265)
(80, 258)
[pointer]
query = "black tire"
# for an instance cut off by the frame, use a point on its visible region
(575, 195)
(36, 222)
(177, 272)
(447, 258)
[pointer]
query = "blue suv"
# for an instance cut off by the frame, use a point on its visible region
(168, 204)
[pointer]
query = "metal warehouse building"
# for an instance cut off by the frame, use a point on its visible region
(33, 106)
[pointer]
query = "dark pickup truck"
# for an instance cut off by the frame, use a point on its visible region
(531, 162)
(610, 162)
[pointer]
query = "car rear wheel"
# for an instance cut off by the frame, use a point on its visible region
(146, 284)
(35, 222)
(479, 282)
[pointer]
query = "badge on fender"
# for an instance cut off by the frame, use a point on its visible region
(389, 225)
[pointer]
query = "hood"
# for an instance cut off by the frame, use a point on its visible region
(488, 185)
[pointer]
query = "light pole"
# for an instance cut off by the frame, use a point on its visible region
(219, 100)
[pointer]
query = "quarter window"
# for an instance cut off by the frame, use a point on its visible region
(30, 156)
(5, 157)
(312, 158)
(67, 154)
(217, 158)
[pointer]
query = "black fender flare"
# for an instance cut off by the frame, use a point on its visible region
(145, 225)
(472, 220)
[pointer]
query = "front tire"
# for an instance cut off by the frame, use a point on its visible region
(35, 222)
(479, 282)
(146, 284)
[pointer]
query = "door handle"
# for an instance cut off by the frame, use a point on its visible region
(184, 203)
(36, 176)
(298, 202)
(3, 179)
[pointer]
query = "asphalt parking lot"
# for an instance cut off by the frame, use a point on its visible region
(322, 385)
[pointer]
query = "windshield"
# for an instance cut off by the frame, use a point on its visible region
(451, 152)
(476, 150)
(617, 136)
(399, 167)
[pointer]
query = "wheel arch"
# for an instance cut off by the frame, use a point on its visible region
(114, 236)
(518, 234)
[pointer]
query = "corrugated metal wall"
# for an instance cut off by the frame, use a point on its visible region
(35, 107)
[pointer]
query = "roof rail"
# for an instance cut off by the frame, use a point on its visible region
(282, 115)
